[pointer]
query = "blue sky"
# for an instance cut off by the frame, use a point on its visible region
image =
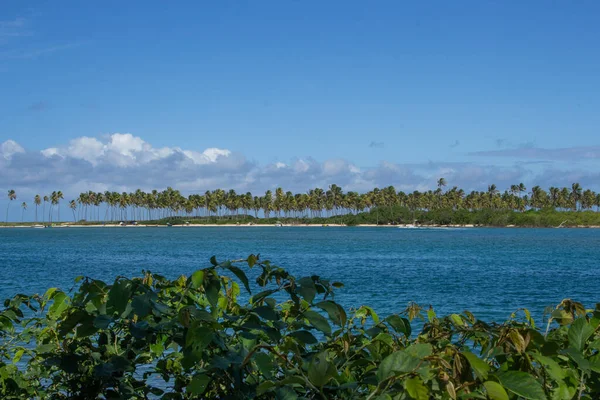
(369, 93)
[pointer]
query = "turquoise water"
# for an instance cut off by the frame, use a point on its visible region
(491, 272)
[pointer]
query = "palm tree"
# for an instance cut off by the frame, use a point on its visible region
(441, 183)
(59, 197)
(37, 200)
(73, 207)
(24, 206)
(46, 199)
(575, 194)
(12, 195)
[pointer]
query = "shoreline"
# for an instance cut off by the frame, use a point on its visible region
(401, 226)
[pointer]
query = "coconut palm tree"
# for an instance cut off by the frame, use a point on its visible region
(24, 206)
(575, 194)
(73, 207)
(37, 200)
(46, 199)
(12, 195)
(59, 197)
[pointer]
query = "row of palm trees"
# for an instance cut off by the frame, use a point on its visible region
(139, 205)
(53, 199)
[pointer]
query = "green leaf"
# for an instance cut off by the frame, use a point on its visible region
(400, 325)
(551, 366)
(198, 337)
(212, 290)
(241, 276)
(197, 279)
(198, 384)
(304, 337)
(308, 293)
(18, 355)
(260, 296)
(399, 361)
(457, 320)
(495, 391)
(317, 370)
(118, 297)
(60, 304)
(251, 260)
(102, 321)
(579, 332)
(318, 321)
(578, 357)
(479, 366)
(213, 261)
(264, 363)
(141, 304)
(522, 384)
(416, 389)
(266, 312)
(419, 350)
(334, 310)
(285, 393)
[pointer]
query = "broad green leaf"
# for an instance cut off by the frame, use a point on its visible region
(260, 296)
(579, 332)
(457, 320)
(198, 384)
(308, 293)
(419, 350)
(495, 391)
(304, 337)
(318, 321)
(551, 366)
(522, 384)
(595, 363)
(102, 321)
(578, 357)
(198, 337)
(60, 303)
(118, 297)
(49, 293)
(241, 276)
(251, 260)
(141, 304)
(264, 363)
(285, 393)
(416, 389)
(479, 366)
(197, 279)
(213, 261)
(334, 310)
(18, 355)
(212, 289)
(400, 325)
(399, 361)
(318, 370)
(266, 312)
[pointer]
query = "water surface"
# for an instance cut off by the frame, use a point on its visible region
(491, 272)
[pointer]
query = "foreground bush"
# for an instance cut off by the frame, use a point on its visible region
(151, 337)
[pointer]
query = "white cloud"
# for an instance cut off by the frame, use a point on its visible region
(9, 148)
(125, 162)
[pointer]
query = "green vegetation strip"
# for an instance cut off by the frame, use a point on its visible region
(515, 206)
(151, 337)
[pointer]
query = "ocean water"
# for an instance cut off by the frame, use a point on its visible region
(490, 272)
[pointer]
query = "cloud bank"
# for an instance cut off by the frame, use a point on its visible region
(125, 162)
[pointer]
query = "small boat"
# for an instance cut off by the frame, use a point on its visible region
(169, 224)
(408, 226)
(38, 226)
